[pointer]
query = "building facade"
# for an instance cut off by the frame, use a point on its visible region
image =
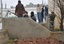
(53, 7)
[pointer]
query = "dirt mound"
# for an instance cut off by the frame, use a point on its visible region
(39, 41)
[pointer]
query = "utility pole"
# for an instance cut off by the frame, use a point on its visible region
(1, 8)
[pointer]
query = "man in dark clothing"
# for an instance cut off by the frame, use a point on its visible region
(42, 14)
(52, 17)
(19, 9)
(46, 9)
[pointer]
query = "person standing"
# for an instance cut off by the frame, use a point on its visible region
(52, 17)
(19, 9)
(39, 9)
(42, 14)
(46, 13)
(46, 9)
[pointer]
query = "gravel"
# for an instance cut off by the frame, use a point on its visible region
(39, 41)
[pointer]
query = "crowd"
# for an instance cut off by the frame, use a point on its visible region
(41, 12)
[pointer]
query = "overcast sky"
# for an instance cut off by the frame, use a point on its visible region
(24, 2)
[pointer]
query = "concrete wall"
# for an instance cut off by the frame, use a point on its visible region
(24, 28)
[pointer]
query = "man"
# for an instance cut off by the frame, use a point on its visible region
(33, 16)
(52, 17)
(42, 14)
(39, 9)
(19, 9)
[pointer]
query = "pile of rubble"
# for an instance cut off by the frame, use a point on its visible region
(39, 41)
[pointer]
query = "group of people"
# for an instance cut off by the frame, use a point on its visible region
(41, 12)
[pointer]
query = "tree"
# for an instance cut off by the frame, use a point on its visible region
(60, 4)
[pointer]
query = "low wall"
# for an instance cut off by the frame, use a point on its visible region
(24, 28)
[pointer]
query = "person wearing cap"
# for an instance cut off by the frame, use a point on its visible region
(19, 9)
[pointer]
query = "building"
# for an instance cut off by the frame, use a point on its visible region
(53, 7)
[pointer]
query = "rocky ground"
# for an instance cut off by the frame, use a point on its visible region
(38, 41)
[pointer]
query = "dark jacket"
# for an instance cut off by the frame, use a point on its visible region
(33, 16)
(46, 9)
(19, 9)
(52, 16)
(42, 13)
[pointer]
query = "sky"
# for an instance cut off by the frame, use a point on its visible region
(24, 2)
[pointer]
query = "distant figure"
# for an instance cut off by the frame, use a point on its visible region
(42, 14)
(46, 10)
(45, 13)
(19, 9)
(39, 9)
(52, 17)
(25, 14)
(33, 16)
